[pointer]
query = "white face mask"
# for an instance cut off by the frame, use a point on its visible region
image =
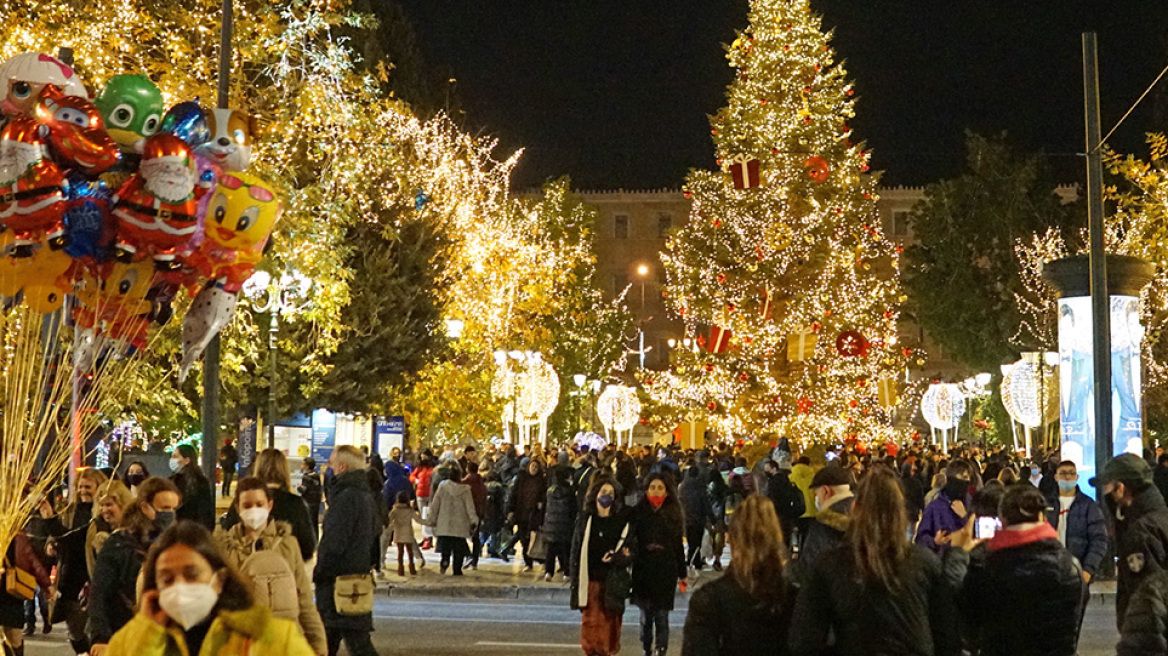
(174, 465)
(188, 603)
(255, 518)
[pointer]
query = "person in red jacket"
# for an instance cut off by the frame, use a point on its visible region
(478, 492)
(20, 554)
(421, 480)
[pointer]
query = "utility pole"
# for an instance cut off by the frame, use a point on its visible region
(211, 356)
(1100, 300)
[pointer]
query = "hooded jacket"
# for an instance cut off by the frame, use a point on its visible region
(452, 511)
(235, 545)
(825, 533)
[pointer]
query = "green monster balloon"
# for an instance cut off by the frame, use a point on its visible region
(132, 108)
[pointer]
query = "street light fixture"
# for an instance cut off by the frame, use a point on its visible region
(287, 295)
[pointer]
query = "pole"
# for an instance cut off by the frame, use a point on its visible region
(1100, 302)
(273, 331)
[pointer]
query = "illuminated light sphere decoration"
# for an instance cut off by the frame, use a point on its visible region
(531, 389)
(619, 409)
(942, 406)
(1025, 388)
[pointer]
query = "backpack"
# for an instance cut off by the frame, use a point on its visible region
(271, 582)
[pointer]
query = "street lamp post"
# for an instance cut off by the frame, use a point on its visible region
(287, 295)
(642, 273)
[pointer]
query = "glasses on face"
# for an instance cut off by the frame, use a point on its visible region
(256, 192)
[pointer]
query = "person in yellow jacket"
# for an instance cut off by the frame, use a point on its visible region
(801, 475)
(193, 604)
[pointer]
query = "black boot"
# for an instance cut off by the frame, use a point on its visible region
(79, 646)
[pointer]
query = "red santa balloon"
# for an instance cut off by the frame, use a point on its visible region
(32, 187)
(156, 209)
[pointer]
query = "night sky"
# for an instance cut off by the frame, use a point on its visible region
(616, 93)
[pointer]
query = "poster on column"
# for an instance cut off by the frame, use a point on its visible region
(324, 435)
(1077, 386)
(388, 432)
(247, 443)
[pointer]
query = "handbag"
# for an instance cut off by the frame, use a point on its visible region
(618, 582)
(537, 546)
(353, 594)
(18, 582)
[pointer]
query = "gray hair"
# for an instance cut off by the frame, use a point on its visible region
(350, 456)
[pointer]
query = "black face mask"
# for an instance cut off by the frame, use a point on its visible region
(956, 489)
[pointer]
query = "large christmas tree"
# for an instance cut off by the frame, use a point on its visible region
(787, 286)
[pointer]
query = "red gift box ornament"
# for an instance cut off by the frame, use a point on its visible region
(746, 172)
(719, 339)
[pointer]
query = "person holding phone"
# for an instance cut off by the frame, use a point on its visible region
(601, 548)
(191, 597)
(1026, 572)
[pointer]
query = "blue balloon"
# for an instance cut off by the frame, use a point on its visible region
(420, 200)
(87, 217)
(188, 122)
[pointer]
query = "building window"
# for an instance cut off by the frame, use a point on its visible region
(899, 227)
(664, 224)
(620, 226)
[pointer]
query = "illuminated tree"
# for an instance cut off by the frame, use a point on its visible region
(784, 254)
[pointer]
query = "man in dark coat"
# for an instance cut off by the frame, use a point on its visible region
(228, 461)
(699, 513)
(1145, 626)
(1160, 475)
(788, 500)
(478, 492)
(1078, 520)
(347, 544)
(832, 486)
(1141, 524)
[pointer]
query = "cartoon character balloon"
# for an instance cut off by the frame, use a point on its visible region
(231, 138)
(45, 280)
(239, 220)
(76, 132)
(132, 108)
(32, 187)
(23, 77)
(156, 208)
(210, 312)
(112, 309)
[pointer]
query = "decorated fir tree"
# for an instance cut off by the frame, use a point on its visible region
(786, 284)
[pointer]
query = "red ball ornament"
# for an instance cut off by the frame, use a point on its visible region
(712, 406)
(687, 194)
(721, 277)
(817, 168)
(709, 366)
(649, 381)
(730, 307)
(717, 223)
(815, 326)
(853, 403)
(744, 377)
(774, 151)
(850, 344)
(807, 120)
(804, 405)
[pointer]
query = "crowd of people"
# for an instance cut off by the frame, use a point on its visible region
(889, 550)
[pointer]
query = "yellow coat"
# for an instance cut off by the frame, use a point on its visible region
(251, 632)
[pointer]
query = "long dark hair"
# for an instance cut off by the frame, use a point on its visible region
(599, 480)
(234, 596)
(190, 453)
(672, 507)
(134, 520)
(878, 531)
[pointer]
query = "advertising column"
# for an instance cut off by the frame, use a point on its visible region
(324, 436)
(1126, 276)
(388, 432)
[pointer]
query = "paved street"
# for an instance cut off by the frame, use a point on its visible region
(453, 627)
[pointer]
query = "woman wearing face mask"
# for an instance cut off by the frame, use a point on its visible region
(136, 472)
(659, 560)
(602, 544)
(946, 513)
(286, 582)
(192, 599)
(113, 588)
(271, 467)
(112, 501)
(198, 495)
(68, 531)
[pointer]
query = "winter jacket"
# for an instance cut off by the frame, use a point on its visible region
(824, 534)
(348, 542)
(235, 546)
(788, 499)
(495, 509)
(1145, 626)
(695, 502)
(919, 619)
(290, 509)
(96, 535)
(1141, 545)
(421, 480)
(452, 511)
(1160, 479)
(559, 517)
(724, 620)
(444, 472)
(401, 521)
(113, 589)
(72, 574)
(659, 558)
(478, 492)
(1024, 573)
(801, 476)
(253, 632)
(198, 499)
(21, 553)
(1086, 530)
(311, 491)
(582, 567)
(527, 500)
(938, 516)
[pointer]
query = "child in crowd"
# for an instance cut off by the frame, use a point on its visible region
(401, 520)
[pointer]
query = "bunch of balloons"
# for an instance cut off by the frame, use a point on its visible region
(118, 206)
